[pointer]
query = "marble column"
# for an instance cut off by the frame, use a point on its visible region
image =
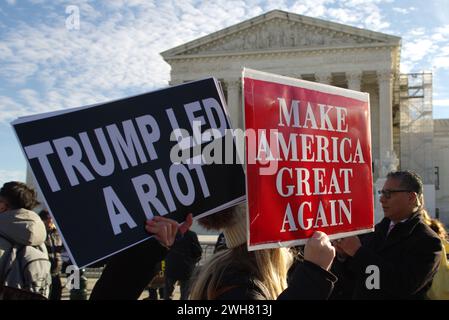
(385, 80)
(234, 103)
(323, 77)
(175, 82)
(354, 81)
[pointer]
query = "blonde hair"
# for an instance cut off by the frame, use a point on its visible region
(267, 268)
(434, 224)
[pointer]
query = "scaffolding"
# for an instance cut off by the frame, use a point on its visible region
(416, 125)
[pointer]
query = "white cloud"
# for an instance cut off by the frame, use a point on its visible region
(5, 52)
(375, 20)
(318, 8)
(116, 51)
(404, 10)
(359, 13)
(10, 109)
(12, 175)
(440, 34)
(425, 48)
(344, 16)
(18, 72)
(440, 10)
(11, 2)
(416, 32)
(418, 49)
(438, 37)
(444, 30)
(441, 62)
(420, 52)
(441, 102)
(444, 50)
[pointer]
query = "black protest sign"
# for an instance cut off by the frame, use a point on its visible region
(106, 169)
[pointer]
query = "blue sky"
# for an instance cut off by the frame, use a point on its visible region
(45, 66)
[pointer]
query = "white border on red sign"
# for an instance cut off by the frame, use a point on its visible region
(264, 76)
(299, 242)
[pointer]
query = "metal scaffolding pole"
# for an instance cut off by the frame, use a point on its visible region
(416, 125)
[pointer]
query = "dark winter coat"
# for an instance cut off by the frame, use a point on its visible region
(308, 282)
(407, 260)
(183, 256)
(128, 273)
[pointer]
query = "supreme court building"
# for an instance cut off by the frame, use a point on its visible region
(403, 132)
(317, 50)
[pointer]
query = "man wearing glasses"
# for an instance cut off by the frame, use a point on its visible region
(399, 259)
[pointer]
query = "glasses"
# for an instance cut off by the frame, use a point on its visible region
(387, 193)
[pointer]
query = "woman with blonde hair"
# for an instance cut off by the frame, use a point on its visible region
(238, 274)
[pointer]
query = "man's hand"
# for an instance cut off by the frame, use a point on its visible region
(319, 250)
(348, 245)
(165, 229)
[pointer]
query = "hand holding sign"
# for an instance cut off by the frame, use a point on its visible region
(165, 229)
(319, 250)
(186, 224)
(349, 245)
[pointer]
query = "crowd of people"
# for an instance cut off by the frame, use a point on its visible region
(406, 248)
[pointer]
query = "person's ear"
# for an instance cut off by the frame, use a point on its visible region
(414, 199)
(4, 206)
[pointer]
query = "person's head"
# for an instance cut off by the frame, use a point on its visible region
(16, 195)
(219, 220)
(232, 221)
(269, 267)
(402, 195)
(46, 218)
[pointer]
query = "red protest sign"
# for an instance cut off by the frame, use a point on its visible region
(308, 158)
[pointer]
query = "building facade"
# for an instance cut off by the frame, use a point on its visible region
(317, 50)
(301, 47)
(441, 156)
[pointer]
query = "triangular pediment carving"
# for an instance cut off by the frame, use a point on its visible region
(280, 30)
(278, 34)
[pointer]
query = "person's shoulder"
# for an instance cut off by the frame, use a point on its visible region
(233, 275)
(23, 214)
(381, 226)
(191, 233)
(191, 236)
(23, 226)
(424, 229)
(427, 235)
(238, 284)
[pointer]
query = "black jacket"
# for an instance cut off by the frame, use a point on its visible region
(128, 273)
(308, 282)
(183, 256)
(407, 260)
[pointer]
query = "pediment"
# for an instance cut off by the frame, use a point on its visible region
(279, 30)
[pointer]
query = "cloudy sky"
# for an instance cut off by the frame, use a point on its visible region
(48, 63)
